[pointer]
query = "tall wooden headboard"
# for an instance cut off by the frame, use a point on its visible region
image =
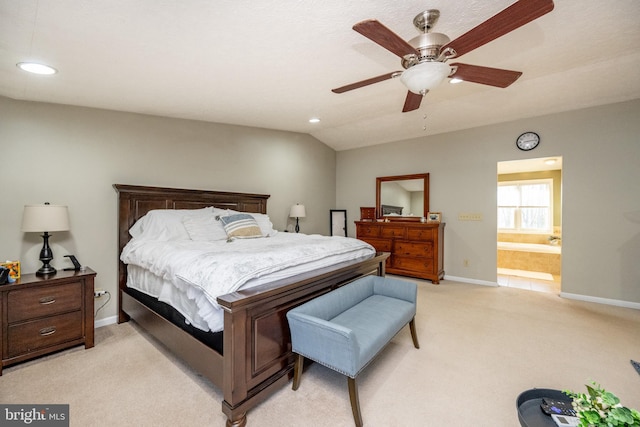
(135, 201)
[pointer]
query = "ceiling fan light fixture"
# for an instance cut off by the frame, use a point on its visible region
(424, 76)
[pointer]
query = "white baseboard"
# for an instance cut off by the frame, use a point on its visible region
(467, 280)
(607, 301)
(587, 298)
(106, 321)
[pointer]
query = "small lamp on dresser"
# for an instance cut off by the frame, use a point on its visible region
(297, 211)
(44, 219)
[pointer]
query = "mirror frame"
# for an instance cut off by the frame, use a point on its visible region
(381, 179)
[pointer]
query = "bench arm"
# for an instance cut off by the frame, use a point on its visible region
(327, 343)
(395, 288)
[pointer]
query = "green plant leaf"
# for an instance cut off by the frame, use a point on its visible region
(610, 398)
(591, 416)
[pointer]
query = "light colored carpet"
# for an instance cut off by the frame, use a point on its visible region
(480, 347)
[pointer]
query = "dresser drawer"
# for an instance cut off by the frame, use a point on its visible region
(415, 249)
(422, 234)
(43, 301)
(413, 264)
(391, 231)
(379, 244)
(28, 336)
(367, 231)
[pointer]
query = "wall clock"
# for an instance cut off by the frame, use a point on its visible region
(528, 141)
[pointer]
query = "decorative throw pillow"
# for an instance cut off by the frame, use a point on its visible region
(263, 220)
(204, 228)
(242, 226)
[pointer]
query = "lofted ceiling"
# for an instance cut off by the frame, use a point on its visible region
(272, 63)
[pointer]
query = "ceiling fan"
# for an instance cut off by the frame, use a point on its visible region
(425, 57)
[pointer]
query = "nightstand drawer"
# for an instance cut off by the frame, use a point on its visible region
(32, 303)
(36, 334)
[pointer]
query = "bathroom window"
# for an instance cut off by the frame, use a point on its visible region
(525, 206)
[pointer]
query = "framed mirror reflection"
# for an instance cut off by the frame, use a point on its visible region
(402, 197)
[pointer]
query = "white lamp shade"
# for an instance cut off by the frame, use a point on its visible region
(424, 76)
(297, 211)
(39, 218)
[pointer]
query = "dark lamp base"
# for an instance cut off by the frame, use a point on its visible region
(46, 270)
(46, 256)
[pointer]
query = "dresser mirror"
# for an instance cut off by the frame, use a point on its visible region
(402, 197)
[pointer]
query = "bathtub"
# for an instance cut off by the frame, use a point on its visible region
(529, 247)
(530, 257)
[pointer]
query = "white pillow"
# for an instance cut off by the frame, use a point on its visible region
(164, 224)
(204, 228)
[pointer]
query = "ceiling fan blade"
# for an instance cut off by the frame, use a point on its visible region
(412, 102)
(514, 16)
(386, 38)
(364, 82)
(485, 75)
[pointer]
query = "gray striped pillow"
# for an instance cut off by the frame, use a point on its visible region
(241, 226)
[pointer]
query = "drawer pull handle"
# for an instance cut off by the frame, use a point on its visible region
(47, 300)
(48, 331)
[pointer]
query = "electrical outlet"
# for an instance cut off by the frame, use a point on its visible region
(98, 293)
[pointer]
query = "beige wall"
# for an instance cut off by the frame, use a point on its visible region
(600, 149)
(73, 156)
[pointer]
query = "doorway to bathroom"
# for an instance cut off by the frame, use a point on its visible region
(529, 228)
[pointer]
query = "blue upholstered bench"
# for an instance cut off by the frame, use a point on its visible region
(346, 328)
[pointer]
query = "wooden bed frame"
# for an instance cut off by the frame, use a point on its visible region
(257, 357)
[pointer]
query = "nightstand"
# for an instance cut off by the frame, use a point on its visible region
(41, 315)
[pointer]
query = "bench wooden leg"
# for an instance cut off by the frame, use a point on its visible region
(414, 335)
(355, 402)
(297, 371)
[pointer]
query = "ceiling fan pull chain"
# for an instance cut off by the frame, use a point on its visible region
(424, 128)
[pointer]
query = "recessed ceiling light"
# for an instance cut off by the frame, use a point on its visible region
(35, 68)
(314, 120)
(455, 80)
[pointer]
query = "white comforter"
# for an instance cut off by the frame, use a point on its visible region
(206, 270)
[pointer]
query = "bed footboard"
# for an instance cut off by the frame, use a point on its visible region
(257, 342)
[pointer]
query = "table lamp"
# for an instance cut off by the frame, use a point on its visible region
(43, 219)
(297, 212)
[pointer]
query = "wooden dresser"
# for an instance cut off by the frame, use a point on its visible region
(40, 315)
(417, 249)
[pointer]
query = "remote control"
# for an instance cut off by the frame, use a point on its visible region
(557, 407)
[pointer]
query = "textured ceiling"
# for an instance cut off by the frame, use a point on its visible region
(272, 63)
